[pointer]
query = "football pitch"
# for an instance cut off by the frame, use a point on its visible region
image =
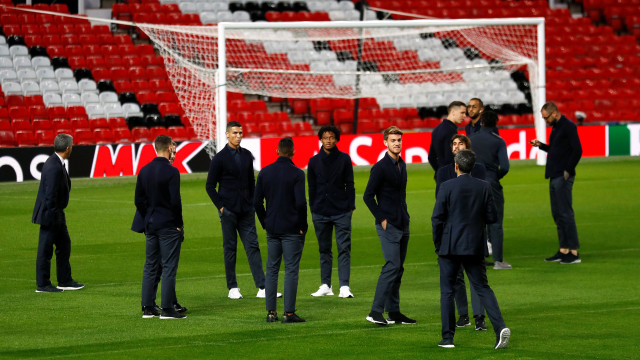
(583, 311)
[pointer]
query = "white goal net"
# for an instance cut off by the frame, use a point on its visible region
(417, 63)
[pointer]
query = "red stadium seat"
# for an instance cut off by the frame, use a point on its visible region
(122, 135)
(21, 124)
(103, 136)
(7, 139)
(44, 137)
(25, 138)
(177, 133)
(141, 134)
(83, 136)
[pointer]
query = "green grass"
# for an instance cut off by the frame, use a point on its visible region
(584, 311)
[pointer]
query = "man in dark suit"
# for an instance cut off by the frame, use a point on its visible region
(138, 226)
(386, 198)
(440, 148)
(48, 212)
(448, 172)
(231, 171)
(491, 151)
(281, 185)
(463, 207)
(158, 202)
(332, 198)
(564, 152)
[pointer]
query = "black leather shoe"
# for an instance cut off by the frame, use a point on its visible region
(48, 288)
(292, 318)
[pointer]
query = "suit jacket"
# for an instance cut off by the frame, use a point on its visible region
(440, 149)
(386, 192)
(564, 149)
(331, 186)
(281, 184)
(157, 196)
(463, 207)
(53, 193)
(448, 172)
(236, 185)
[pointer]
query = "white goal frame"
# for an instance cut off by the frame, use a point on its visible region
(540, 89)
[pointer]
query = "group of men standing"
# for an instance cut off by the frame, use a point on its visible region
(469, 210)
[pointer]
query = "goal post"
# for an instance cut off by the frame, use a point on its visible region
(405, 63)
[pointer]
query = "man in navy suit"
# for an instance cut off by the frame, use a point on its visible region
(158, 202)
(386, 198)
(463, 207)
(448, 172)
(332, 198)
(564, 152)
(138, 226)
(231, 171)
(48, 212)
(281, 185)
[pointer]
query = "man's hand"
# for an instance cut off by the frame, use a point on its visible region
(384, 224)
(535, 142)
(566, 175)
(221, 210)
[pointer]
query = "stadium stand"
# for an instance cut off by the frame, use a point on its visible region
(107, 86)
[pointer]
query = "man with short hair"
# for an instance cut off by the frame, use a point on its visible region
(386, 198)
(440, 148)
(231, 171)
(564, 152)
(332, 197)
(138, 226)
(281, 185)
(48, 212)
(445, 173)
(158, 201)
(491, 151)
(464, 206)
(474, 110)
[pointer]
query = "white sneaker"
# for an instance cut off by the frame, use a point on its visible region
(262, 294)
(234, 293)
(324, 290)
(345, 292)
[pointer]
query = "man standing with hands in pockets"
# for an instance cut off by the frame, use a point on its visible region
(386, 198)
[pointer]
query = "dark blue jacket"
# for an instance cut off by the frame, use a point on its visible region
(464, 206)
(157, 196)
(448, 172)
(471, 129)
(440, 149)
(281, 184)
(491, 151)
(386, 192)
(53, 193)
(331, 188)
(235, 184)
(564, 149)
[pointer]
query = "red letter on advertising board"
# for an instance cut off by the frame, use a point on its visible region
(107, 163)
